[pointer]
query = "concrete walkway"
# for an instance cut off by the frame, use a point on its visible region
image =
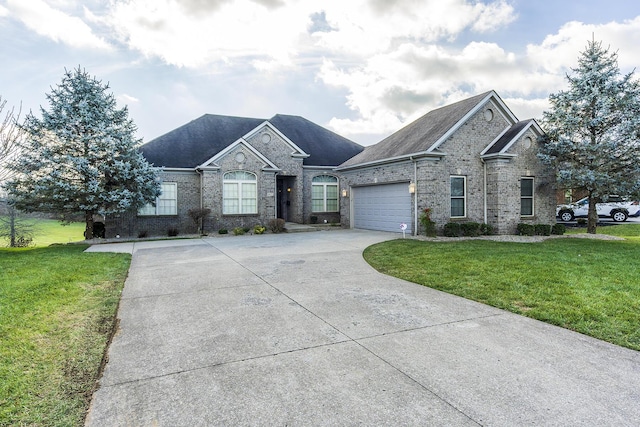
(296, 329)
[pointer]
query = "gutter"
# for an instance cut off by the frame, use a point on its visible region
(199, 172)
(430, 155)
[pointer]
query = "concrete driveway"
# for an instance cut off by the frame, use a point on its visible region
(296, 329)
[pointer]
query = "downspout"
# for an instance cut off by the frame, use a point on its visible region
(199, 172)
(484, 166)
(415, 196)
(275, 196)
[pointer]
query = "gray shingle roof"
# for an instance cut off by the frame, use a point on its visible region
(324, 147)
(419, 136)
(196, 142)
(507, 137)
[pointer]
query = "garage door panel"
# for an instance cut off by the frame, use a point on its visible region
(382, 207)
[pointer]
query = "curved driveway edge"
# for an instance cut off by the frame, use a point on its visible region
(297, 329)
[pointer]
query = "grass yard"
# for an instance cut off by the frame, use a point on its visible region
(589, 286)
(49, 231)
(57, 306)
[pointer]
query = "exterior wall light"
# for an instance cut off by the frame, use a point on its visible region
(345, 193)
(412, 188)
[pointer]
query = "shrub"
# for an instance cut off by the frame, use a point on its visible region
(526, 229)
(238, 231)
(452, 229)
(223, 231)
(172, 232)
(276, 225)
(487, 229)
(142, 234)
(470, 229)
(258, 229)
(313, 219)
(198, 216)
(543, 229)
(428, 225)
(581, 221)
(558, 229)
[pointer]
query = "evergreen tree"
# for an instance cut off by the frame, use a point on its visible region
(82, 156)
(593, 130)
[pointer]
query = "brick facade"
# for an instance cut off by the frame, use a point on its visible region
(284, 185)
(462, 157)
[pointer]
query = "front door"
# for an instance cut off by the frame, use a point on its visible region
(285, 187)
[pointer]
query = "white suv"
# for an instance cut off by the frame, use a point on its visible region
(616, 207)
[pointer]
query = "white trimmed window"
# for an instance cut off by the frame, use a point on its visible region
(458, 196)
(239, 193)
(166, 202)
(324, 194)
(526, 196)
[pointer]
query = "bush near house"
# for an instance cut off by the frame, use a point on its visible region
(467, 229)
(276, 225)
(526, 229)
(428, 225)
(543, 229)
(452, 229)
(558, 229)
(470, 229)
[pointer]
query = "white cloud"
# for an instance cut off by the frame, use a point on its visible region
(558, 52)
(271, 33)
(406, 82)
(52, 23)
(3, 11)
(226, 31)
(363, 28)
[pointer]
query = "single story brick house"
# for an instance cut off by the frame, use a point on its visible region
(246, 170)
(468, 161)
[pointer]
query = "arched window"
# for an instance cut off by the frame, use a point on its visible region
(239, 193)
(324, 194)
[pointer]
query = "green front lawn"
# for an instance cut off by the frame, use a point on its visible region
(57, 306)
(49, 231)
(589, 286)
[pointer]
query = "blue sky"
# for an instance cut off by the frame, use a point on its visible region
(361, 68)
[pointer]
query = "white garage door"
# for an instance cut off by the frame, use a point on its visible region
(382, 207)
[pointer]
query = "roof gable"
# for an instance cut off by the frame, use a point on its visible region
(212, 163)
(505, 141)
(296, 151)
(425, 135)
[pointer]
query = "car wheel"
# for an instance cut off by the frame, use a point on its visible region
(566, 216)
(619, 216)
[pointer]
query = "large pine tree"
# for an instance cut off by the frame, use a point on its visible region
(593, 130)
(81, 156)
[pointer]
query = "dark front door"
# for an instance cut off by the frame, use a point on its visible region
(285, 187)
